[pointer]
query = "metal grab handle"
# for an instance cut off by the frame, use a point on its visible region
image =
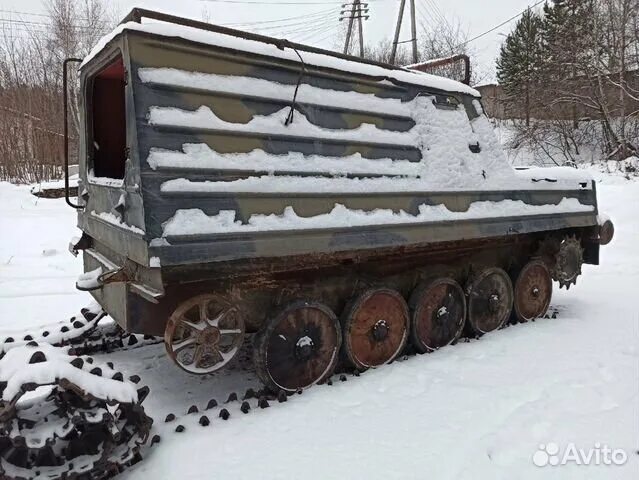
(66, 130)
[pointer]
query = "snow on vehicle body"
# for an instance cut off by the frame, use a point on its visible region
(233, 183)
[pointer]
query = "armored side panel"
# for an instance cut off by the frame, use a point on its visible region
(184, 185)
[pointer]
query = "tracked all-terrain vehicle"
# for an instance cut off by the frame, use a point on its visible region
(337, 208)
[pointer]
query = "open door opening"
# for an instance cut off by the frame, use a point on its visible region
(108, 121)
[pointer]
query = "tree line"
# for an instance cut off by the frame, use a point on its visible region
(570, 73)
(31, 55)
(573, 64)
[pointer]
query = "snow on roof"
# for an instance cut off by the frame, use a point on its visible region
(433, 61)
(262, 48)
(487, 84)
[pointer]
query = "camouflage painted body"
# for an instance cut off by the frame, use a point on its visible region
(264, 269)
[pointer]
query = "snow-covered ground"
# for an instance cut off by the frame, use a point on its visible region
(37, 272)
(477, 410)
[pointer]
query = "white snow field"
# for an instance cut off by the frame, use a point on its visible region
(477, 410)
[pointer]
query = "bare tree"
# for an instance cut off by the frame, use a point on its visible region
(31, 87)
(589, 79)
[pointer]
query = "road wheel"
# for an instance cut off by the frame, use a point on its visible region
(204, 334)
(490, 300)
(533, 291)
(438, 312)
(298, 348)
(376, 325)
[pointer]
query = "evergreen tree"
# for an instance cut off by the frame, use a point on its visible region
(567, 30)
(520, 60)
(567, 42)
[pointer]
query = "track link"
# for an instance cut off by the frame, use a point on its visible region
(82, 334)
(64, 416)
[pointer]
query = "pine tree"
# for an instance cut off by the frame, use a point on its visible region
(567, 27)
(520, 61)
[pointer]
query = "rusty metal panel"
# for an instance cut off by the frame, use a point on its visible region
(224, 247)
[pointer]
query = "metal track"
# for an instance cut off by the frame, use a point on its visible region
(61, 429)
(82, 334)
(73, 419)
(231, 405)
(66, 417)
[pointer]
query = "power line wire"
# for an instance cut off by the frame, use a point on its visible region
(24, 22)
(304, 29)
(441, 17)
(312, 14)
(257, 2)
(308, 37)
(312, 35)
(25, 13)
(500, 25)
(283, 21)
(42, 15)
(275, 30)
(319, 40)
(425, 18)
(311, 21)
(438, 13)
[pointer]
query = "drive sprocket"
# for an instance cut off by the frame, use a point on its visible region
(568, 261)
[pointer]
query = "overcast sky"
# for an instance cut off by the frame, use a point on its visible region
(316, 22)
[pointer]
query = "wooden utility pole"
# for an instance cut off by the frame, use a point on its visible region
(398, 27)
(349, 32)
(361, 38)
(358, 11)
(413, 30)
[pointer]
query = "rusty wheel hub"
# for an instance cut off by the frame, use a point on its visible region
(204, 334)
(438, 313)
(533, 291)
(493, 302)
(304, 348)
(442, 315)
(209, 336)
(380, 331)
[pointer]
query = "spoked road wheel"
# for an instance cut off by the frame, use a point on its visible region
(204, 334)
(533, 291)
(438, 313)
(375, 327)
(298, 348)
(490, 300)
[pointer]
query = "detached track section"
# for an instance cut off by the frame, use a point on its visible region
(82, 333)
(62, 415)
